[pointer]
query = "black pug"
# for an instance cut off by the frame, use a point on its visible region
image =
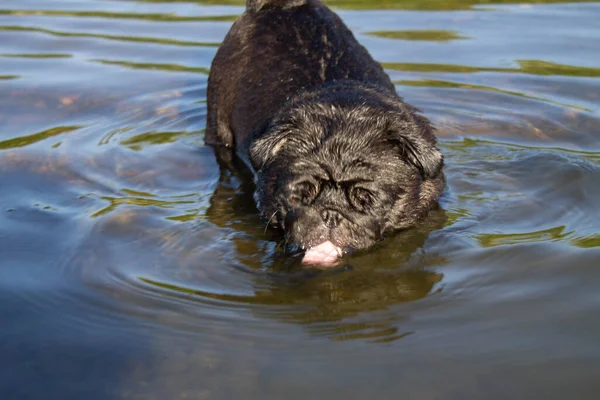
(339, 159)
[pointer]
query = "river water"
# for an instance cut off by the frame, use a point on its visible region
(133, 267)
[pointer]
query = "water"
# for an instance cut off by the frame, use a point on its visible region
(133, 267)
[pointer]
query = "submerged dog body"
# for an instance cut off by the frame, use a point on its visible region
(338, 157)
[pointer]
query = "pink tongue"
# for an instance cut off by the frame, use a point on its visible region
(325, 253)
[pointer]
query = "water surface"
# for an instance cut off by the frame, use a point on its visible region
(133, 266)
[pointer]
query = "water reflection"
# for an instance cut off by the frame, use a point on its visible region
(133, 257)
(369, 281)
(133, 263)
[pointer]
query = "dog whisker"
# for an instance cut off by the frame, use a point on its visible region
(269, 222)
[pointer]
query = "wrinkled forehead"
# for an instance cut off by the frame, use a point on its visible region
(337, 163)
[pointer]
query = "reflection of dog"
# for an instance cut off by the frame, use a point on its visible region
(324, 302)
(337, 156)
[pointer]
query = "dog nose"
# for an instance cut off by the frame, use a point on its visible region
(331, 218)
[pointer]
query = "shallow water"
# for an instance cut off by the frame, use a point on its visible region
(133, 267)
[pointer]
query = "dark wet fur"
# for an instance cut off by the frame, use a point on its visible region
(336, 154)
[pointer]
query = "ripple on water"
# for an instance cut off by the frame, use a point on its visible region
(218, 270)
(119, 230)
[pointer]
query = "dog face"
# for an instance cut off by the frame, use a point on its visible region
(345, 173)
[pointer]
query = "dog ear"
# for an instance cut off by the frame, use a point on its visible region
(264, 149)
(420, 153)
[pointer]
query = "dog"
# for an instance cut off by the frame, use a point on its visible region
(339, 160)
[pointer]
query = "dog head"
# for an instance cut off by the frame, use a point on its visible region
(346, 171)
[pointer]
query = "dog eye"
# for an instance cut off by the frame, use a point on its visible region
(303, 192)
(360, 197)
